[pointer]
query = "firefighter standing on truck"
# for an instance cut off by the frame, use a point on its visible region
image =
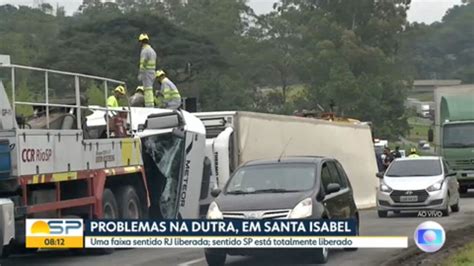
(147, 69)
(168, 91)
(113, 100)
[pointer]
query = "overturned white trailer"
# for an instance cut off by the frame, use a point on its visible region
(237, 137)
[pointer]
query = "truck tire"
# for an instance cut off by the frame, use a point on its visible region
(129, 203)
(462, 189)
(109, 205)
(111, 212)
(382, 214)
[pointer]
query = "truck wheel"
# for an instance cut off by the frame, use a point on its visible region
(462, 189)
(129, 203)
(110, 211)
(5, 251)
(109, 205)
(215, 258)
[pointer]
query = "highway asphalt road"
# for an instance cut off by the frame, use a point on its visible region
(395, 225)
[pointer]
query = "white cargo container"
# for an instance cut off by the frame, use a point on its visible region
(237, 137)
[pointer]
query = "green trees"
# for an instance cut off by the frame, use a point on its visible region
(442, 50)
(346, 53)
(357, 55)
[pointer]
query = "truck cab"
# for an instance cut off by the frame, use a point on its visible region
(456, 142)
(220, 149)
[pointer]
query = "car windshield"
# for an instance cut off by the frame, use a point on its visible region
(407, 168)
(458, 136)
(272, 178)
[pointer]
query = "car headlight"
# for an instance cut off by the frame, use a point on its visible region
(302, 210)
(385, 188)
(214, 213)
(436, 186)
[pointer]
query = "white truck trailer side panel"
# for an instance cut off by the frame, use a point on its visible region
(264, 136)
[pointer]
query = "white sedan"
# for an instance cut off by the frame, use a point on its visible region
(415, 184)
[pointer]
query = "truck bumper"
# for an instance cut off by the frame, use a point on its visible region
(466, 179)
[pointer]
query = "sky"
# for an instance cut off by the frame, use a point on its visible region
(427, 11)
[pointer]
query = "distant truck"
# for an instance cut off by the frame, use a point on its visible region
(233, 138)
(454, 132)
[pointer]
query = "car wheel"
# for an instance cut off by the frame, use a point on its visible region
(357, 234)
(462, 189)
(446, 210)
(321, 255)
(382, 214)
(455, 207)
(215, 258)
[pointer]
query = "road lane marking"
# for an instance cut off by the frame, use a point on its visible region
(191, 262)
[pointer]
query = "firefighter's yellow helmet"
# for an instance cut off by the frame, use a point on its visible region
(120, 89)
(160, 73)
(143, 37)
(140, 88)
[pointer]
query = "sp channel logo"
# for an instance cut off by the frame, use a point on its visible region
(430, 236)
(54, 233)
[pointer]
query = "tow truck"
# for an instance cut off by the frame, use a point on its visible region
(78, 161)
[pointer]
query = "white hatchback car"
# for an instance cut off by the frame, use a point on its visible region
(415, 184)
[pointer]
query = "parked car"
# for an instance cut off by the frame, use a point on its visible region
(290, 188)
(422, 143)
(426, 146)
(414, 184)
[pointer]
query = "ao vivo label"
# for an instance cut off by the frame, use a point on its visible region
(36, 155)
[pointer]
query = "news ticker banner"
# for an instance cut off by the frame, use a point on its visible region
(78, 233)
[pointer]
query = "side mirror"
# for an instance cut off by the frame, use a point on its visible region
(215, 192)
(450, 174)
(333, 188)
(380, 174)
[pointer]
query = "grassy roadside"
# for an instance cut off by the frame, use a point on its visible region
(465, 257)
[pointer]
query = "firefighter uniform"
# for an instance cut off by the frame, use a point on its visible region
(171, 96)
(147, 69)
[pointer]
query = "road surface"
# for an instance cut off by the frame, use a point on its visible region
(404, 224)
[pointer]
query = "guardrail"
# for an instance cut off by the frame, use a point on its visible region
(77, 106)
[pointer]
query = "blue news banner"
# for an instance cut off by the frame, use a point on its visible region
(219, 233)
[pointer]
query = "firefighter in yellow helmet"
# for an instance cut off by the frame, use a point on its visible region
(169, 91)
(147, 69)
(113, 100)
(413, 153)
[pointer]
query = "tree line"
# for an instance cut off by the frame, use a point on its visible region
(357, 58)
